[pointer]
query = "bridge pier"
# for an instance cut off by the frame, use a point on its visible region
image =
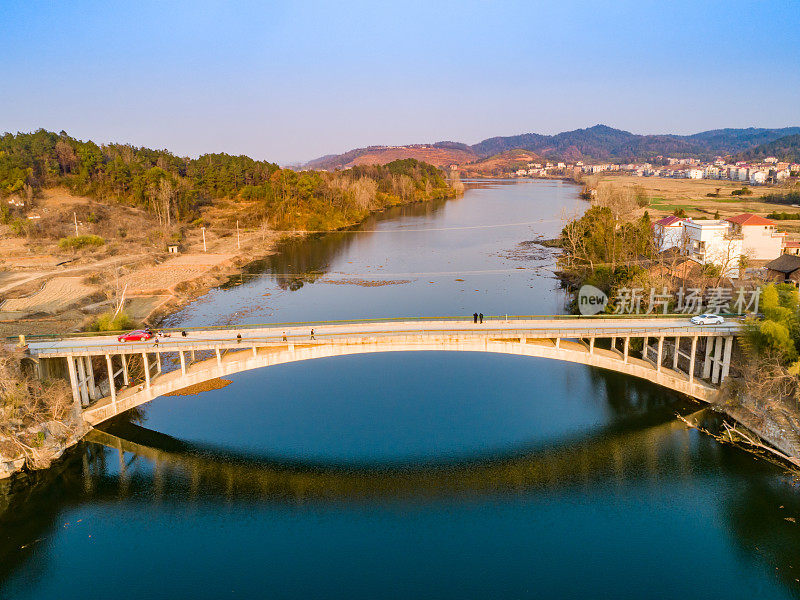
(718, 341)
(146, 369)
(676, 353)
(658, 355)
(125, 376)
(726, 358)
(183, 362)
(692, 357)
(625, 346)
(82, 382)
(73, 381)
(707, 359)
(591, 345)
(111, 385)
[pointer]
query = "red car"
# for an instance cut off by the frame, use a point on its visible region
(140, 335)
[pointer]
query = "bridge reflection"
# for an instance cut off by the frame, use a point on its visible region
(639, 449)
(648, 448)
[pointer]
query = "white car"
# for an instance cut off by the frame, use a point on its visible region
(707, 319)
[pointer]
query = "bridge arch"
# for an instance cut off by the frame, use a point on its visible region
(249, 358)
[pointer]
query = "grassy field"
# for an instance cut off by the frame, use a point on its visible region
(668, 195)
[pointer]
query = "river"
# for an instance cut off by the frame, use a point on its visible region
(398, 475)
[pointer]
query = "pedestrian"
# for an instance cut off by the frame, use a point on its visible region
(183, 333)
(474, 317)
(312, 334)
(238, 338)
(284, 336)
(480, 316)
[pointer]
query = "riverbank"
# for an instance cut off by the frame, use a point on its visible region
(176, 282)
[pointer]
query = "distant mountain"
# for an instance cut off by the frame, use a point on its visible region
(598, 143)
(785, 149)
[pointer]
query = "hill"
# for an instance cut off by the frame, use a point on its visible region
(785, 149)
(598, 143)
(500, 164)
(440, 154)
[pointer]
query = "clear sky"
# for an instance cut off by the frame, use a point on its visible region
(289, 81)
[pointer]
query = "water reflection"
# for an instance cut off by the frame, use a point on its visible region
(130, 464)
(301, 260)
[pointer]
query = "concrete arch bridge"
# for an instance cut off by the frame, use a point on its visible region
(109, 377)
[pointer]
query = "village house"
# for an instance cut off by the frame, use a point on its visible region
(760, 240)
(668, 233)
(791, 248)
(722, 242)
(784, 269)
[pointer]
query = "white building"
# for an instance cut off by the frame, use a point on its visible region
(694, 173)
(711, 242)
(760, 240)
(758, 178)
(668, 233)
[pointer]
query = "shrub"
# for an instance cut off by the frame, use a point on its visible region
(76, 242)
(108, 322)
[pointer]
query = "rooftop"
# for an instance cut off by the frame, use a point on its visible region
(749, 219)
(785, 263)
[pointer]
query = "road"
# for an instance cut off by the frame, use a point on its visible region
(299, 333)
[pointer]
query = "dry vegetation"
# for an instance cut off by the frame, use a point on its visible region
(668, 195)
(36, 417)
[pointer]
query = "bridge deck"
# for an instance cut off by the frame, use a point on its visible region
(271, 335)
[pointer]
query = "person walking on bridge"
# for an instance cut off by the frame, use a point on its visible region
(480, 316)
(474, 317)
(312, 334)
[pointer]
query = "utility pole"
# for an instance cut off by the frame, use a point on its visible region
(204, 239)
(75, 217)
(238, 239)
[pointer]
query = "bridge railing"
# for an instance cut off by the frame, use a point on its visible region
(310, 324)
(180, 344)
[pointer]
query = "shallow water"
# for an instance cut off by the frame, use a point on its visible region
(430, 474)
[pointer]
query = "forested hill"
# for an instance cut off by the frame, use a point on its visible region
(598, 143)
(175, 188)
(784, 149)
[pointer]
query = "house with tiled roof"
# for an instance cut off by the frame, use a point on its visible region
(668, 233)
(760, 239)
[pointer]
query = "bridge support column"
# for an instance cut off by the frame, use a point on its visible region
(692, 357)
(675, 354)
(726, 357)
(91, 383)
(146, 369)
(255, 352)
(125, 378)
(614, 344)
(591, 345)
(111, 385)
(644, 348)
(82, 381)
(219, 358)
(183, 362)
(193, 355)
(558, 342)
(158, 362)
(717, 360)
(626, 344)
(707, 360)
(73, 381)
(659, 354)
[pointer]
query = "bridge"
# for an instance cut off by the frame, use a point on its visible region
(108, 377)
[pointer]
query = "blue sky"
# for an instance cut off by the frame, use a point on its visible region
(289, 81)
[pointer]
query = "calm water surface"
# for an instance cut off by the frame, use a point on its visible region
(431, 474)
